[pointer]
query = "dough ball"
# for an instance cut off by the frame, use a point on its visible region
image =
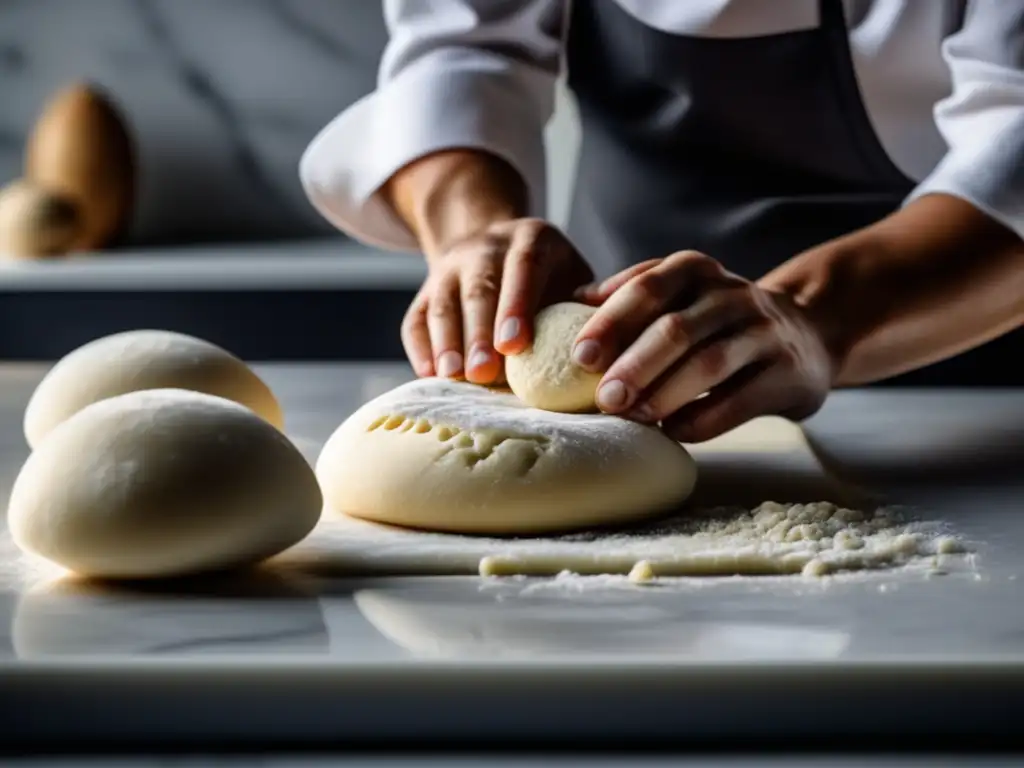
(140, 360)
(162, 483)
(36, 222)
(452, 456)
(544, 376)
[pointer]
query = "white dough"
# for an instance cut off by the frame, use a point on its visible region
(140, 360)
(725, 527)
(544, 376)
(162, 483)
(452, 456)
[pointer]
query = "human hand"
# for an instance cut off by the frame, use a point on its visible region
(481, 295)
(688, 344)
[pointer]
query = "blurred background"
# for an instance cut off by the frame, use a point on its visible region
(218, 100)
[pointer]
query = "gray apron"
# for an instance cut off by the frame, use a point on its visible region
(750, 150)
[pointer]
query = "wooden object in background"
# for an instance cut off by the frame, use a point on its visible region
(80, 148)
(35, 222)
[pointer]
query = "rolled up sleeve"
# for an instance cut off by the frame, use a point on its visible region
(475, 74)
(982, 120)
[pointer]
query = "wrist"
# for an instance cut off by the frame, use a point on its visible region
(450, 196)
(823, 284)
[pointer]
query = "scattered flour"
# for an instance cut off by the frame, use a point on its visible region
(773, 539)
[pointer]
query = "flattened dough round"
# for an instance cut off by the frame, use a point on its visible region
(452, 456)
(162, 483)
(138, 360)
(544, 376)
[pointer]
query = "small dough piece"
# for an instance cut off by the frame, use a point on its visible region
(162, 483)
(642, 572)
(451, 456)
(140, 360)
(544, 376)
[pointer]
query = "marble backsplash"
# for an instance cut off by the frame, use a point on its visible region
(222, 97)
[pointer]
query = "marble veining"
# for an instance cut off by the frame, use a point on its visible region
(202, 88)
(222, 99)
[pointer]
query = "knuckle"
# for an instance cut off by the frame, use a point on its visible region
(528, 253)
(711, 362)
(649, 290)
(416, 312)
(411, 322)
(786, 360)
(480, 288)
(763, 337)
(492, 242)
(674, 329)
(693, 259)
(749, 295)
(442, 306)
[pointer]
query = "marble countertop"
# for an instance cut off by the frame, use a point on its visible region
(315, 658)
(317, 264)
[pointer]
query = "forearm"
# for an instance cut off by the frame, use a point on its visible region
(449, 196)
(928, 282)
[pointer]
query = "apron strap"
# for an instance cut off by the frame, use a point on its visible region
(833, 25)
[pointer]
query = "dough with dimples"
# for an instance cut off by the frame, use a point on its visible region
(451, 456)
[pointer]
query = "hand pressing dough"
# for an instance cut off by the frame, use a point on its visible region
(544, 376)
(162, 483)
(452, 456)
(141, 360)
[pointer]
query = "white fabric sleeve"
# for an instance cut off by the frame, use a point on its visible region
(455, 74)
(982, 120)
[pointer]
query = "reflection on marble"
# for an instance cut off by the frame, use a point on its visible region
(450, 623)
(222, 99)
(254, 613)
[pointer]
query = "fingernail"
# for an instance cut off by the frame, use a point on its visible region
(586, 353)
(449, 364)
(509, 330)
(478, 357)
(612, 396)
(640, 413)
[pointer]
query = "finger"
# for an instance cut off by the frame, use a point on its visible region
(661, 346)
(607, 287)
(528, 265)
(588, 294)
(479, 288)
(598, 293)
(706, 367)
(758, 390)
(416, 337)
(634, 306)
(444, 322)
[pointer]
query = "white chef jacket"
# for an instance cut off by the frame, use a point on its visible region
(942, 82)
